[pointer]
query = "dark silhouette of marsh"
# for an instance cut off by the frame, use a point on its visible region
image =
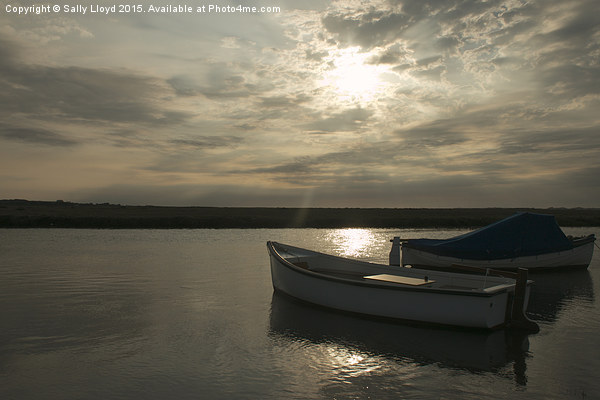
(63, 214)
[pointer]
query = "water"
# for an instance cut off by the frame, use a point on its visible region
(191, 314)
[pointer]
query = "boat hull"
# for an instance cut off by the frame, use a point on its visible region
(576, 258)
(472, 310)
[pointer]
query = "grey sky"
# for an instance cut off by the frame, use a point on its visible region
(341, 104)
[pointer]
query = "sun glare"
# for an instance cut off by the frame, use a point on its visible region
(353, 242)
(352, 77)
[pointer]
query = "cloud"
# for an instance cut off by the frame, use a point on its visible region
(366, 28)
(353, 165)
(300, 166)
(348, 120)
(394, 55)
(209, 142)
(186, 194)
(37, 136)
(221, 81)
(283, 101)
(365, 190)
(316, 55)
(221, 84)
(571, 81)
(82, 94)
(9, 51)
(432, 135)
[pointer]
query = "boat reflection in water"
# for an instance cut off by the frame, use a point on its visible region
(365, 342)
(295, 321)
(555, 290)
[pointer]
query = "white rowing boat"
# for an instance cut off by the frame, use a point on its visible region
(433, 297)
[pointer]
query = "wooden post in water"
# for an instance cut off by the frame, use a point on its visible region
(519, 319)
(395, 251)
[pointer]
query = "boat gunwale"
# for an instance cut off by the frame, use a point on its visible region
(456, 292)
(580, 241)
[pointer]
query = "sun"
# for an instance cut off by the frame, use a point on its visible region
(352, 77)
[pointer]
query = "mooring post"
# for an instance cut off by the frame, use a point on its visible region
(519, 319)
(395, 252)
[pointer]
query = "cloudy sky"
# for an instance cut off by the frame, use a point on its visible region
(397, 103)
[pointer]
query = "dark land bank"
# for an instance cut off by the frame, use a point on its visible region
(60, 214)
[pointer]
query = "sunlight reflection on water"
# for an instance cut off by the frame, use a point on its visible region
(353, 242)
(346, 362)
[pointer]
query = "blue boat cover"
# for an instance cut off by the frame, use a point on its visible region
(523, 234)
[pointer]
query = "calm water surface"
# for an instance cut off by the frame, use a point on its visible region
(191, 314)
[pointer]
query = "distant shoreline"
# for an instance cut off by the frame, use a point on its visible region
(61, 214)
